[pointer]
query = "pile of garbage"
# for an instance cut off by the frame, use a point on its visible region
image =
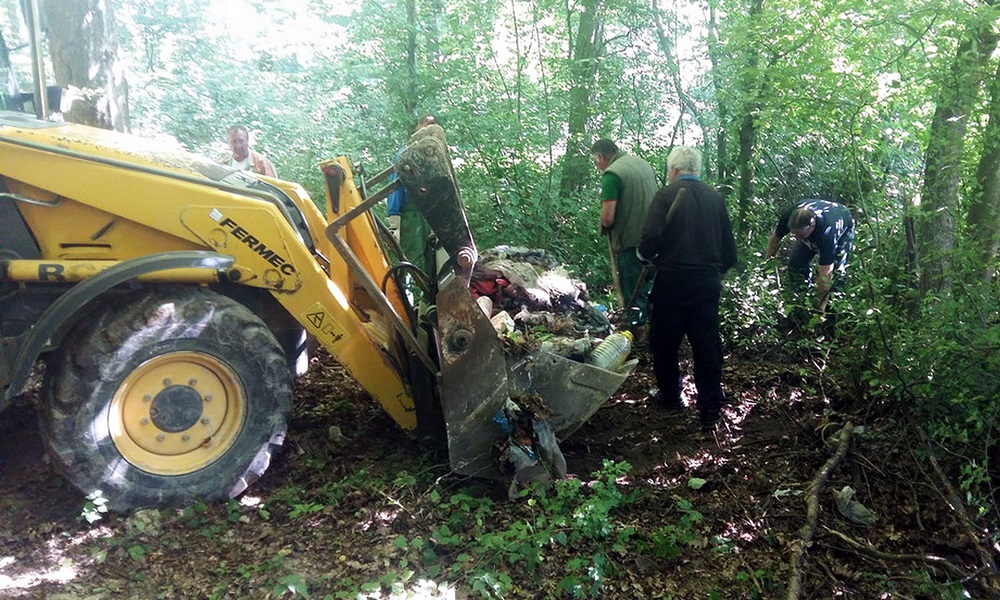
(535, 303)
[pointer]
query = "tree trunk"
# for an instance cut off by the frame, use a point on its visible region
(83, 45)
(984, 210)
(724, 181)
(586, 60)
(746, 165)
(412, 24)
(751, 84)
(943, 162)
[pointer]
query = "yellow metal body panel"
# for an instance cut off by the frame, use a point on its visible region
(91, 194)
(361, 235)
(75, 271)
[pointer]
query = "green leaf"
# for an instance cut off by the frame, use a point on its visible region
(696, 483)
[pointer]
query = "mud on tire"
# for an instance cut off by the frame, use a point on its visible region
(166, 397)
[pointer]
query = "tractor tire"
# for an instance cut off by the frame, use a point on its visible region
(165, 398)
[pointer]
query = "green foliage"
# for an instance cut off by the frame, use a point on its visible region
(95, 507)
(290, 586)
(137, 552)
(927, 585)
(752, 307)
(304, 508)
(943, 375)
(757, 584)
(468, 545)
(669, 540)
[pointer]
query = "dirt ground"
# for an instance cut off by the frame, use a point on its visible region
(781, 428)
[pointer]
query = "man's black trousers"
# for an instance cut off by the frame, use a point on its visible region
(688, 305)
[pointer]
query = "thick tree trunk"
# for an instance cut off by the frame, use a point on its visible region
(984, 210)
(724, 181)
(943, 163)
(586, 59)
(746, 163)
(83, 45)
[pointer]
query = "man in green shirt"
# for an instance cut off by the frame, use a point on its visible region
(627, 188)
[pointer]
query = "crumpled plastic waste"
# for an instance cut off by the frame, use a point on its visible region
(852, 509)
(531, 453)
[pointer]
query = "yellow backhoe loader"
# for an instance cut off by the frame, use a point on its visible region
(171, 298)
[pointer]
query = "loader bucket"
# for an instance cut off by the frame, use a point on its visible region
(574, 391)
(473, 380)
(478, 377)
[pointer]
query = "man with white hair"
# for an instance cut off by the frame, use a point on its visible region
(689, 239)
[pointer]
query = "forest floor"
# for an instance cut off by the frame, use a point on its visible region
(710, 516)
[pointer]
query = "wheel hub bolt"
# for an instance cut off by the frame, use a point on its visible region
(161, 437)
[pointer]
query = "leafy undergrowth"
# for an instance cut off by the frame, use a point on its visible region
(353, 508)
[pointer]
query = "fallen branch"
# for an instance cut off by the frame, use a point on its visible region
(812, 512)
(972, 530)
(929, 559)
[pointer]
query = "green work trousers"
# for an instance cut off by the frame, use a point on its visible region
(630, 272)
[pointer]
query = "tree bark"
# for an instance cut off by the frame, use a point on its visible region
(806, 532)
(983, 220)
(83, 46)
(957, 96)
(724, 181)
(751, 86)
(585, 63)
(411, 59)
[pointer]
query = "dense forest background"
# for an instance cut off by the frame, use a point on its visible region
(891, 108)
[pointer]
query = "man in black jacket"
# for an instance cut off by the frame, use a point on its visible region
(689, 239)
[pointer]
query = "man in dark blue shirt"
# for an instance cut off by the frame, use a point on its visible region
(820, 228)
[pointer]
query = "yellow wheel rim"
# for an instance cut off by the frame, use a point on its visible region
(177, 413)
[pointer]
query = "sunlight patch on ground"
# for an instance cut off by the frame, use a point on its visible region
(59, 574)
(735, 531)
(95, 533)
(665, 482)
(702, 458)
(737, 413)
(626, 399)
(379, 518)
(422, 589)
(62, 570)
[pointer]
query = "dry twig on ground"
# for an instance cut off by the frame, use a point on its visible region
(928, 559)
(814, 488)
(949, 494)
